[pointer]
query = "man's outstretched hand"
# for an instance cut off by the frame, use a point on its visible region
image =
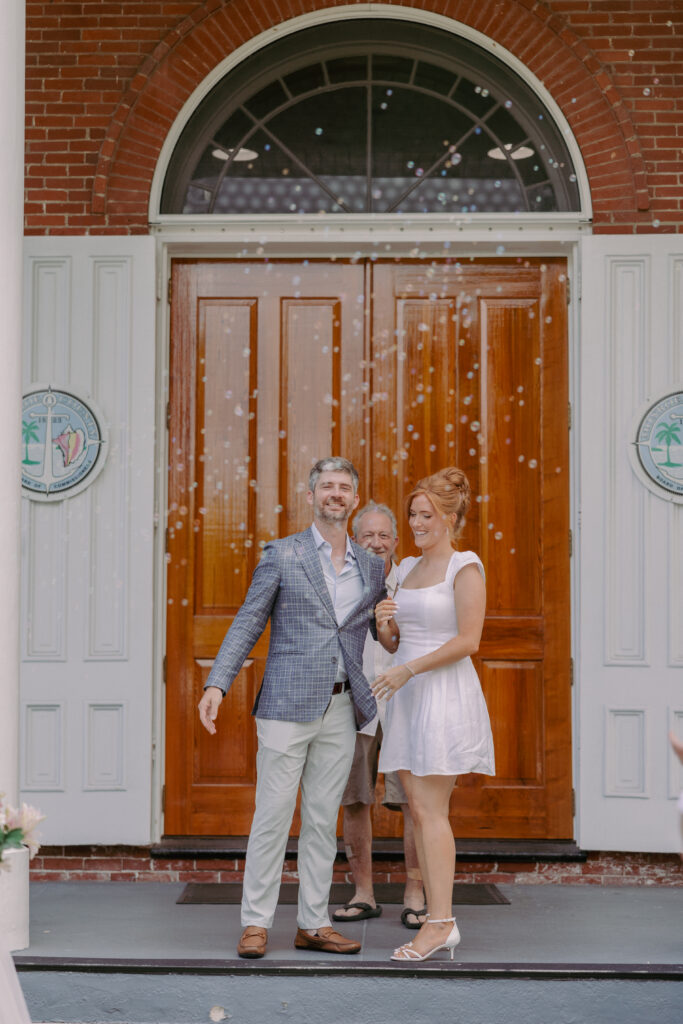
(208, 707)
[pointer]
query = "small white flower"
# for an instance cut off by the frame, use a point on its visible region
(23, 820)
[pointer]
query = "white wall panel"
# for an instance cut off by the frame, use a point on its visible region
(676, 317)
(109, 512)
(625, 764)
(675, 766)
(628, 562)
(675, 588)
(42, 753)
(88, 560)
(104, 762)
(49, 313)
(45, 582)
(675, 524)
(627, 298)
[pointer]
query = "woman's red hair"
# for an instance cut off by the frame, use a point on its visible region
(449, 492)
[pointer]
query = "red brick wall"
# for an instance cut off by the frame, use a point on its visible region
(126, 864)
(105, 82)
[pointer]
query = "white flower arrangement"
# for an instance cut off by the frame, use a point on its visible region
(18, 828)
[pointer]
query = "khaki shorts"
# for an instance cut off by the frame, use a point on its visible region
(360, 789)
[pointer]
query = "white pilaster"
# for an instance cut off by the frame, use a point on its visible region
(12, 189)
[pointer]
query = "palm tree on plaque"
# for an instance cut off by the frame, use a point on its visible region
(669, 435)
(29, 433)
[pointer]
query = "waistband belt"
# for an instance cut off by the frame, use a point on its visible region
(341, 687)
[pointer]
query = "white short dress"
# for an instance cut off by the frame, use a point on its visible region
(438, 723)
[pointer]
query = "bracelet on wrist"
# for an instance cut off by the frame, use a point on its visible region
(406, 665)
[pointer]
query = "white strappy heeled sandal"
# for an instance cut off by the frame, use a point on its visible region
(408, 954)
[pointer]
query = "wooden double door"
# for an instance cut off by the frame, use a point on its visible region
(402, 367)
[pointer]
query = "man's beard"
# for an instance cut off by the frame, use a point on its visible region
(335, 514)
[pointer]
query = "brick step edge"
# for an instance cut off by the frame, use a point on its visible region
(468, 850)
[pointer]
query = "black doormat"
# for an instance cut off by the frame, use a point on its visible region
(469, 893)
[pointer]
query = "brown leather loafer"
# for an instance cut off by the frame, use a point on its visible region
(326, 941)
(253, 942)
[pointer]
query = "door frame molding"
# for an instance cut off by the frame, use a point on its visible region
(404, 238)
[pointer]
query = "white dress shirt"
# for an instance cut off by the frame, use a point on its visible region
(345, 588)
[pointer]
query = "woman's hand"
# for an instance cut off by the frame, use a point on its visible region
(387, 631)
(387, 683)
(384, 612)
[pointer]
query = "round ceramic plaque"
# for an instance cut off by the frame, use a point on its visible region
(63, 443)
(657, 446)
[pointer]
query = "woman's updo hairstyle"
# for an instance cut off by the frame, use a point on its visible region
(449, 492)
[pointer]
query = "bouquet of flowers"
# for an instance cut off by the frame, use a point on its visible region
(17, 828)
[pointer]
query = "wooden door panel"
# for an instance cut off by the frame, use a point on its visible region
(412, 387)
(310, 370)
(510, 536)
(526, 634)
(232, 762)
(261, 354)
(225, 445)
(404, 368)
(469, 369)
(514, 696)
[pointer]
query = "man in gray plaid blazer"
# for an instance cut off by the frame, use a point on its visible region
(318, 589)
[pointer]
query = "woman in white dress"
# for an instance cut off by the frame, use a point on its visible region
(437, 725)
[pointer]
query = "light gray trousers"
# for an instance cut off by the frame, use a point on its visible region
(316, 755)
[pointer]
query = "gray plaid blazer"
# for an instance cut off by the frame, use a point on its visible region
(288, 587)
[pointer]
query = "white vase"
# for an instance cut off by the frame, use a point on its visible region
(14, 900)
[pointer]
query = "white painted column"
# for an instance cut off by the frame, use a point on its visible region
(11, 269)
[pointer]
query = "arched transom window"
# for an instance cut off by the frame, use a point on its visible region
(370, 116)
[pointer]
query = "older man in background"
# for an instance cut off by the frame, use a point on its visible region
(374, 528)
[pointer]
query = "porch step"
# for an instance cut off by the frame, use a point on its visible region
(128, 952)
(469, 850)
(187, 992)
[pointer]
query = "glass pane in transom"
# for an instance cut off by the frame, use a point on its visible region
(269, 180)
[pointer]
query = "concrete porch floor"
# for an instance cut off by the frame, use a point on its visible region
(128, 952)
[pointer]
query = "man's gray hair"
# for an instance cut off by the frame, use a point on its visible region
(372, 506)
(333, 464)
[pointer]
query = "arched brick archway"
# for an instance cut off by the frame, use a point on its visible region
(539, 38)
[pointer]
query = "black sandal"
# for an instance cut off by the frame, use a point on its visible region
(366, 911)
(406, 912)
